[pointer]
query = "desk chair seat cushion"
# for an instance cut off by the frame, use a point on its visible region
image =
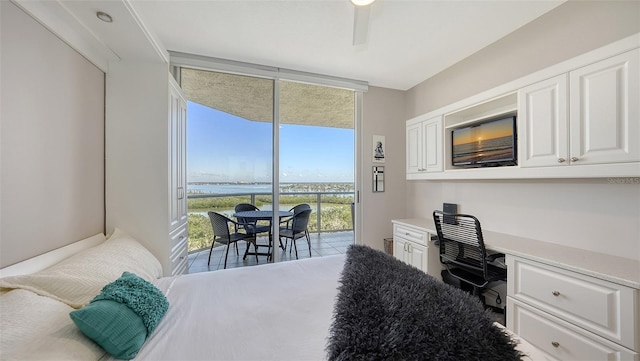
(388, 310)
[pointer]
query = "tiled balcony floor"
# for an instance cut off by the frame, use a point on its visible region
(322, 244)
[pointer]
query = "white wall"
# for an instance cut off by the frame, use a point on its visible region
(383, 111)
(595, 214)
(52, 141)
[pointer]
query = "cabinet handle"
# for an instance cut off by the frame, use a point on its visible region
(555, 344)
(555, 293)
(409, 248)
(561, 160)
(575, 159)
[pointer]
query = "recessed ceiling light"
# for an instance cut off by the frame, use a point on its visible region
(362, 2)
(104, 17)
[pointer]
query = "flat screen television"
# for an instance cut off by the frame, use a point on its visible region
(489, 143)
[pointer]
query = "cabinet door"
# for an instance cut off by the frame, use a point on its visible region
(605, 111)
(182, 161)
(177, 160)
(400, 249)
(417, 256)
(414, 148)
(432, 144)
(543, 123)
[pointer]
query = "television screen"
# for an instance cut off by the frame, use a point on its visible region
(489, 143)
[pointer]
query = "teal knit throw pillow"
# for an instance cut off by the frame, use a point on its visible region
(122, 316)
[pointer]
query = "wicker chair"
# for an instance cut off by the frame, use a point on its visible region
(298, 229)
(227, 232)
(251, 226)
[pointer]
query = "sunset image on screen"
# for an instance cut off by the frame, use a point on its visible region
(487, 142)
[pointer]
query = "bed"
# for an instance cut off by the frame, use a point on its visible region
(343, 307)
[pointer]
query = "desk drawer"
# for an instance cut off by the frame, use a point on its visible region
(606, 308)
(409, 233)
(562, 340)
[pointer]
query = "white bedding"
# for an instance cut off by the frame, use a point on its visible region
(277, 311)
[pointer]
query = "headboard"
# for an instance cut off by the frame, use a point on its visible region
(53, 169)
(45, 260)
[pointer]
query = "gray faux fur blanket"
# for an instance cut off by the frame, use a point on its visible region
(388, 310)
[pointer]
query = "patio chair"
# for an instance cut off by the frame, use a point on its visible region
(286, 223)
(298, 229)
(226, 231)
(251, 226)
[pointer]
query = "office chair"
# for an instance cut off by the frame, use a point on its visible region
(463, 253)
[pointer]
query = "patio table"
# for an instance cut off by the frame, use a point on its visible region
(261, 216)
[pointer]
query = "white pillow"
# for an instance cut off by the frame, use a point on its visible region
(34, 327)
(79, 278)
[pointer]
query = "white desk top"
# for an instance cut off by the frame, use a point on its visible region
(615, 269)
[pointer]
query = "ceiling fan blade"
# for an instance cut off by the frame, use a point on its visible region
(361, 24)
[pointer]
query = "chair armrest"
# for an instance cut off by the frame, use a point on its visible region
(494, 256)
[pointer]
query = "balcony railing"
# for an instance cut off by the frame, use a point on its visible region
(336, 215)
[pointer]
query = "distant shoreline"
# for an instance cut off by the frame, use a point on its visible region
(263, 183)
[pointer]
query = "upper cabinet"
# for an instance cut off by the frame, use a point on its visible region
(424, 145)
(604, 111)
(580, 118)
(586, 116)
(543, 123)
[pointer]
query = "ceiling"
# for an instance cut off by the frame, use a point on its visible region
(408, 41)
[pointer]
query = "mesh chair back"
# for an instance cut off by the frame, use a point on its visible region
(461, 242)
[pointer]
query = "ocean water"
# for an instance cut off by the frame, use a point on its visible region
(231, 188)
(227, 188)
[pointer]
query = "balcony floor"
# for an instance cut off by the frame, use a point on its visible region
(323, 244)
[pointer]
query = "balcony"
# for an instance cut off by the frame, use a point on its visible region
(330, 226)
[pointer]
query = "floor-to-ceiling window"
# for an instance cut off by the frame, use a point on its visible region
(230, 149)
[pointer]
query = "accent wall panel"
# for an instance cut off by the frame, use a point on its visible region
(52, 140)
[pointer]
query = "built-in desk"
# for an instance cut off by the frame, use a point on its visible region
(571, 303)
(619, 270)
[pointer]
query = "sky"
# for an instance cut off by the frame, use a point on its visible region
(489, 130)
(225, 148)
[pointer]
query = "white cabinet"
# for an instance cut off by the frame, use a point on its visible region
(145, 160)
(605, 111)
(576, 119)
(411, 253)
(424, 145)
(543, 123)
(178, 158)
(587, 116)
(411, 245)
(571, 316)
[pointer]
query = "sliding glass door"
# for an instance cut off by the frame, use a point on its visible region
(316, 165)
(233, 149)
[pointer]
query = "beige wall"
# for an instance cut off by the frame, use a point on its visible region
(596, 214)
(569, 30)
(52, 141)
(383, 112)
